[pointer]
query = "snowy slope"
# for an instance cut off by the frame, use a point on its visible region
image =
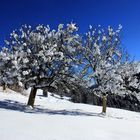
(56, 119)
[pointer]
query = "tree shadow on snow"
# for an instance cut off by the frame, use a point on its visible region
(17, 106)
(12, 105)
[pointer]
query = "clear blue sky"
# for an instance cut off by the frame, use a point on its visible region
(14, 13)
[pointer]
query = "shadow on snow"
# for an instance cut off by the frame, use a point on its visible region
(17, 106)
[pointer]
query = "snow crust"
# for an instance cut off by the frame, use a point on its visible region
(59, 119)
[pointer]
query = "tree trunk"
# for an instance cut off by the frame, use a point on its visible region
(83, 98)
(31, 99)
(45, 92)
(4, 87)
(104, 101)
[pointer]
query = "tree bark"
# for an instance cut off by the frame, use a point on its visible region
(83, 98)
(104, 101)
(45, 92)
(4, 87)
(32, 96)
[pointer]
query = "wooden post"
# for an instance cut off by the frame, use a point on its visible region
(32, 96)
(104, 105)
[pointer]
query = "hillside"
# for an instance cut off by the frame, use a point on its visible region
(59, 119)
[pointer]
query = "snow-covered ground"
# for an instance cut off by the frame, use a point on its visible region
(57, 119)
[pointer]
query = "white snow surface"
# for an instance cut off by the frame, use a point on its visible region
(59, 119)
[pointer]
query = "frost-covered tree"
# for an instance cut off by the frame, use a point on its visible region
(43, 56)
(129, 78)
(102, 53)
(8, 70)
(40, 57)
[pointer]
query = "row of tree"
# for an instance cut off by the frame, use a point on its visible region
(40, 58)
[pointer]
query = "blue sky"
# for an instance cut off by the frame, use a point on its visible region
(14, 13)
